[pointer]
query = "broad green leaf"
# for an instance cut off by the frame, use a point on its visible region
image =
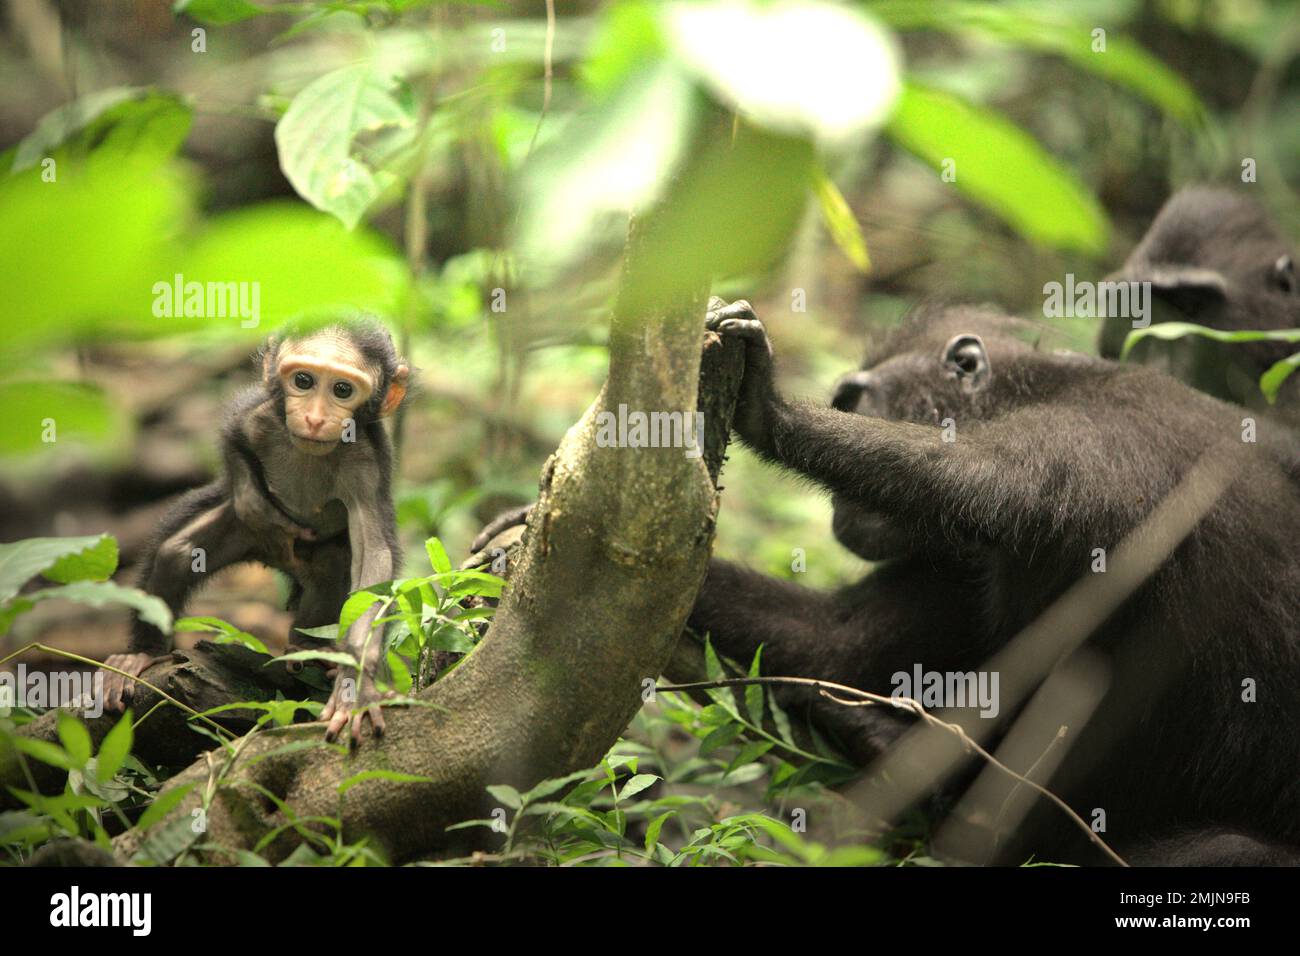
(839, 220)
(97, 593)
(263, 247)
(437, 556)
(75, 738)
(800, 67)
(636, 784)
(507, 795)
(63, 411)
(71, 559)
(1002, 167)
(114, 748)
(317, 136)
(122, 124)
(354, 607)
(72, 246)
(45, 752)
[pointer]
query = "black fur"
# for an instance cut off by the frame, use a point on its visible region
(1055, 455)
(1214, 258)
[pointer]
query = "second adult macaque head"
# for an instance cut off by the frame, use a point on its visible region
(333, 378)
(943, 362)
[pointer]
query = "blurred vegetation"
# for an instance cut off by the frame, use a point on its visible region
(465, 171)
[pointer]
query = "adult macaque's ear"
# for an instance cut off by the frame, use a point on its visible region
(396, 391)
(966, 355)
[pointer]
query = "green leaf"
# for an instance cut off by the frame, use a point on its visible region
(548, 787)
(354, 607)
(636, 784)
(162, 805)
(839, 220)
(60, 559)
(327, 632)
(1278, 373)
(167, 842)
(749, 753)
(121, 124)
(317, 134)
(263, 244)
(1169, 331)
(114, 748)
(342, 658)
(506, 794)
(1002, 167)
(712, 666)
(217, 12)
(402, 680)
(45, 752)
(656, 825)
(719, 737)
(754, 692)
(390, 775)
(75, 738)
(97, 593)
(69, 411)
(437, 556)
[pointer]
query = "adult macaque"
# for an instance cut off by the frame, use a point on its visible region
(984, 475)
(1213, 258)
(306, 489)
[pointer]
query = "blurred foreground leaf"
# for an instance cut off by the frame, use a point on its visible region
(1001, 167)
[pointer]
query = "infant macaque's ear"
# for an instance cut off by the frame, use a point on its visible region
(396, 390)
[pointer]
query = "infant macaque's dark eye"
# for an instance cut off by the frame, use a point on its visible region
(342, 390)
(303, 380)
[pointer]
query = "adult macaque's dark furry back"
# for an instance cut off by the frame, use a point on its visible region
(1214, 258)
(1052, 457)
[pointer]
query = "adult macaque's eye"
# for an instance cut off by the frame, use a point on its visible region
(304, 381)
(343, 390)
